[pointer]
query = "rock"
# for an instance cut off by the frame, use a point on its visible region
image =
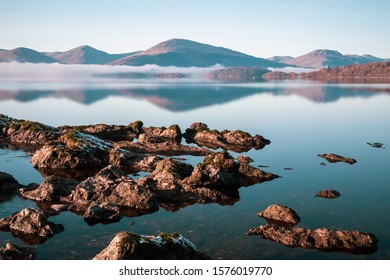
(8, 184)
(109, 132)
(237, 140)
(113, 186)
(130, 246)
(323, 163)
(244, 159)
(59, 207)
(332, 158)
(216, 170)
(281, 215)
(13, 252)
(52, 189)
(30, 225)
(250, 175)
(328, 194)
(102, 212)
(29, 134)
(161, 134)
(376, 145)
(354, 242)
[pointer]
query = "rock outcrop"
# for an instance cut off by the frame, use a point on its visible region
(376, 145)
(322, 239)
(332, 158)
(13, 252)
(281, 215)
(130, 246)
(328, 194)
(28, 134)
(237, 140)
(30, 225)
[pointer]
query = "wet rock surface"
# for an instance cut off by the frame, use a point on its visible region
(102, 212)
(13, 252)
(332, 158)
(322, 239)
(280, 215)
(236, 140)
(328, 194)
(30, 225)
(130, 246)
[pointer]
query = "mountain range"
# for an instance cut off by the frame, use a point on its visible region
(326, 58)
(185, 53)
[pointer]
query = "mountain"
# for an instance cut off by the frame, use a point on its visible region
(280, 59)
(323, 58)
(186, 53)
(25, 55)
(86, 55)
(2, 50)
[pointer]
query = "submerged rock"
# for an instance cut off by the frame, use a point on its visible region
(237, 140)
(281, 215)
(332, 158)
(376, 145)
(52, 189)
(130, 246)
(8, 184)
(13, 252)
(30, 225)
(354, 242)
(328, 194)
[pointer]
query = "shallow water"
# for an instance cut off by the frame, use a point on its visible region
(301, 119)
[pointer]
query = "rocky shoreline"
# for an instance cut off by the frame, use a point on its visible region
(87, 170)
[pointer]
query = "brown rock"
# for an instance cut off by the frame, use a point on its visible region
(152, 134)
(130, 246)
(102, 212)
(332, 158)
(354, 242)
(52, 189)
(13, 252)
(279, 214)
(30, 225)
(328, 194)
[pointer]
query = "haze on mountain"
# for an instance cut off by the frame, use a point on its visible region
(280, 59)
(86, 55)
(25, 55)
(186, 53)
(323, 58)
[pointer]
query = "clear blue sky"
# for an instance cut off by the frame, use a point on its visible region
(260, 28)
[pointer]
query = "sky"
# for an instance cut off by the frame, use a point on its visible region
(262, 28)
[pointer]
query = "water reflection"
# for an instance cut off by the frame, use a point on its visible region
(184, 97)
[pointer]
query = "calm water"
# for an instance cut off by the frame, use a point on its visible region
(301, 119)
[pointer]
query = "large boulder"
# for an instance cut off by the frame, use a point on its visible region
(13, 252)
(52, 189)
(281, 215)
(161, 134)
(30, 225)
(322, 239)
(332, 158)
(130, 246)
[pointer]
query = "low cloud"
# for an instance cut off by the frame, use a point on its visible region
(16, 72)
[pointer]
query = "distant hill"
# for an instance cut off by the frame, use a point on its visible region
(238, 74)
(376, 72)
(186, 53)
(86, 55)
(25, 55)
(323, 58)
(280, 59)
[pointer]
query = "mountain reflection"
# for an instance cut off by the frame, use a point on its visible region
(179, 98)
